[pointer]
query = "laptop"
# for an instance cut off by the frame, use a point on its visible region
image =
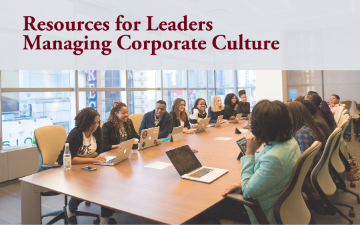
(189, 167)
(201, 127)
(177, 134)
(123, 153)
(248, 123)
(237, 118)
(148, 137)
(218, 122)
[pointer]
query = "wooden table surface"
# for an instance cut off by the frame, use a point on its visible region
(159, 195)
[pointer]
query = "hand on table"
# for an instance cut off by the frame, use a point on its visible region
(233, 188)
(224, 121)
(99, 159)
(189, 131)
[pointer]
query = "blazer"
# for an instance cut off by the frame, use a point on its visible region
(75, 140)
(229, 111)
(165, 124)
(265, 177)
(110, 137)
(176, 122)
(214, 115)
(243, 108)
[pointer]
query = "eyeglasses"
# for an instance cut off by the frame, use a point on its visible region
(183, 105)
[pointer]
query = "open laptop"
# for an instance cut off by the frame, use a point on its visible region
(248, 123)
(218, 121)
(148, 137)
(189, 167)
(177, 134)
(123, 153)
(201, 127)
(237, 118)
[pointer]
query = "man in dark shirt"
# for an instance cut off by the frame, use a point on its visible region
(158, 118)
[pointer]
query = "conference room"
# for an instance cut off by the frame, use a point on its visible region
(146, 187)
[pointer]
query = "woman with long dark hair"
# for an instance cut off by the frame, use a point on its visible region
(305, 130)
(118, 128)
(179, 115)
(231, 104)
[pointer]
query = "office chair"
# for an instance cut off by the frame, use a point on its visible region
(337, 114)
(50, 140)
(290, 207)
(337, 164)
(322, 182)
(136, 119)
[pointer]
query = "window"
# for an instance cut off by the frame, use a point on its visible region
(34, 98)
(24, 112)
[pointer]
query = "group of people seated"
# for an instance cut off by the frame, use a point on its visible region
(286, 130)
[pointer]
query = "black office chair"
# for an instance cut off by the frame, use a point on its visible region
(290, 207)
(50, 140)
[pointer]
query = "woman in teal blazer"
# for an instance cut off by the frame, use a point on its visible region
(263, 178)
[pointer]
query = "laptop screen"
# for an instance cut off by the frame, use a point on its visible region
(183, 159)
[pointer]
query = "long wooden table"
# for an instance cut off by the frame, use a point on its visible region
(158, 195)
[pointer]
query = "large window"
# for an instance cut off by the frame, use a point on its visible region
(34, 98)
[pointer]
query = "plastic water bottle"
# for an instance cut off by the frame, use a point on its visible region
(67, 157)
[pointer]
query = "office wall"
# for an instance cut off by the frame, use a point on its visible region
(271, 84)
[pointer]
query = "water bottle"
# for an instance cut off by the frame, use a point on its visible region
(67, 157)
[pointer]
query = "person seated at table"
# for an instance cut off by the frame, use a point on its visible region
(179, 115)
(85, 144)
(244, 106)
(216, 109)
(266, 177)
(118, 128)
(300, 98)
(304, 130)
(323, 110)
(334, 103)
(198, 112)
(159, 117)
(318, 119)
(231, 104)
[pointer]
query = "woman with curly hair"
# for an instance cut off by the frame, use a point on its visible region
(179, 115)
(118, 128)
(231, 104)
(198, 112)
(85, 143)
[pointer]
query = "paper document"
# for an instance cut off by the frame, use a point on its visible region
(222, 139)
(158, 165)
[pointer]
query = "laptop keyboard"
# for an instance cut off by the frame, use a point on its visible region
(111, 161)
(200, 173)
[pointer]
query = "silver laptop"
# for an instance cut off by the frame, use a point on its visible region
(248, 123)
(189, 167)
(177, 134)
(218, 121)
(237, 118)
(123, 153)
(148, 137)
(201, 127)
